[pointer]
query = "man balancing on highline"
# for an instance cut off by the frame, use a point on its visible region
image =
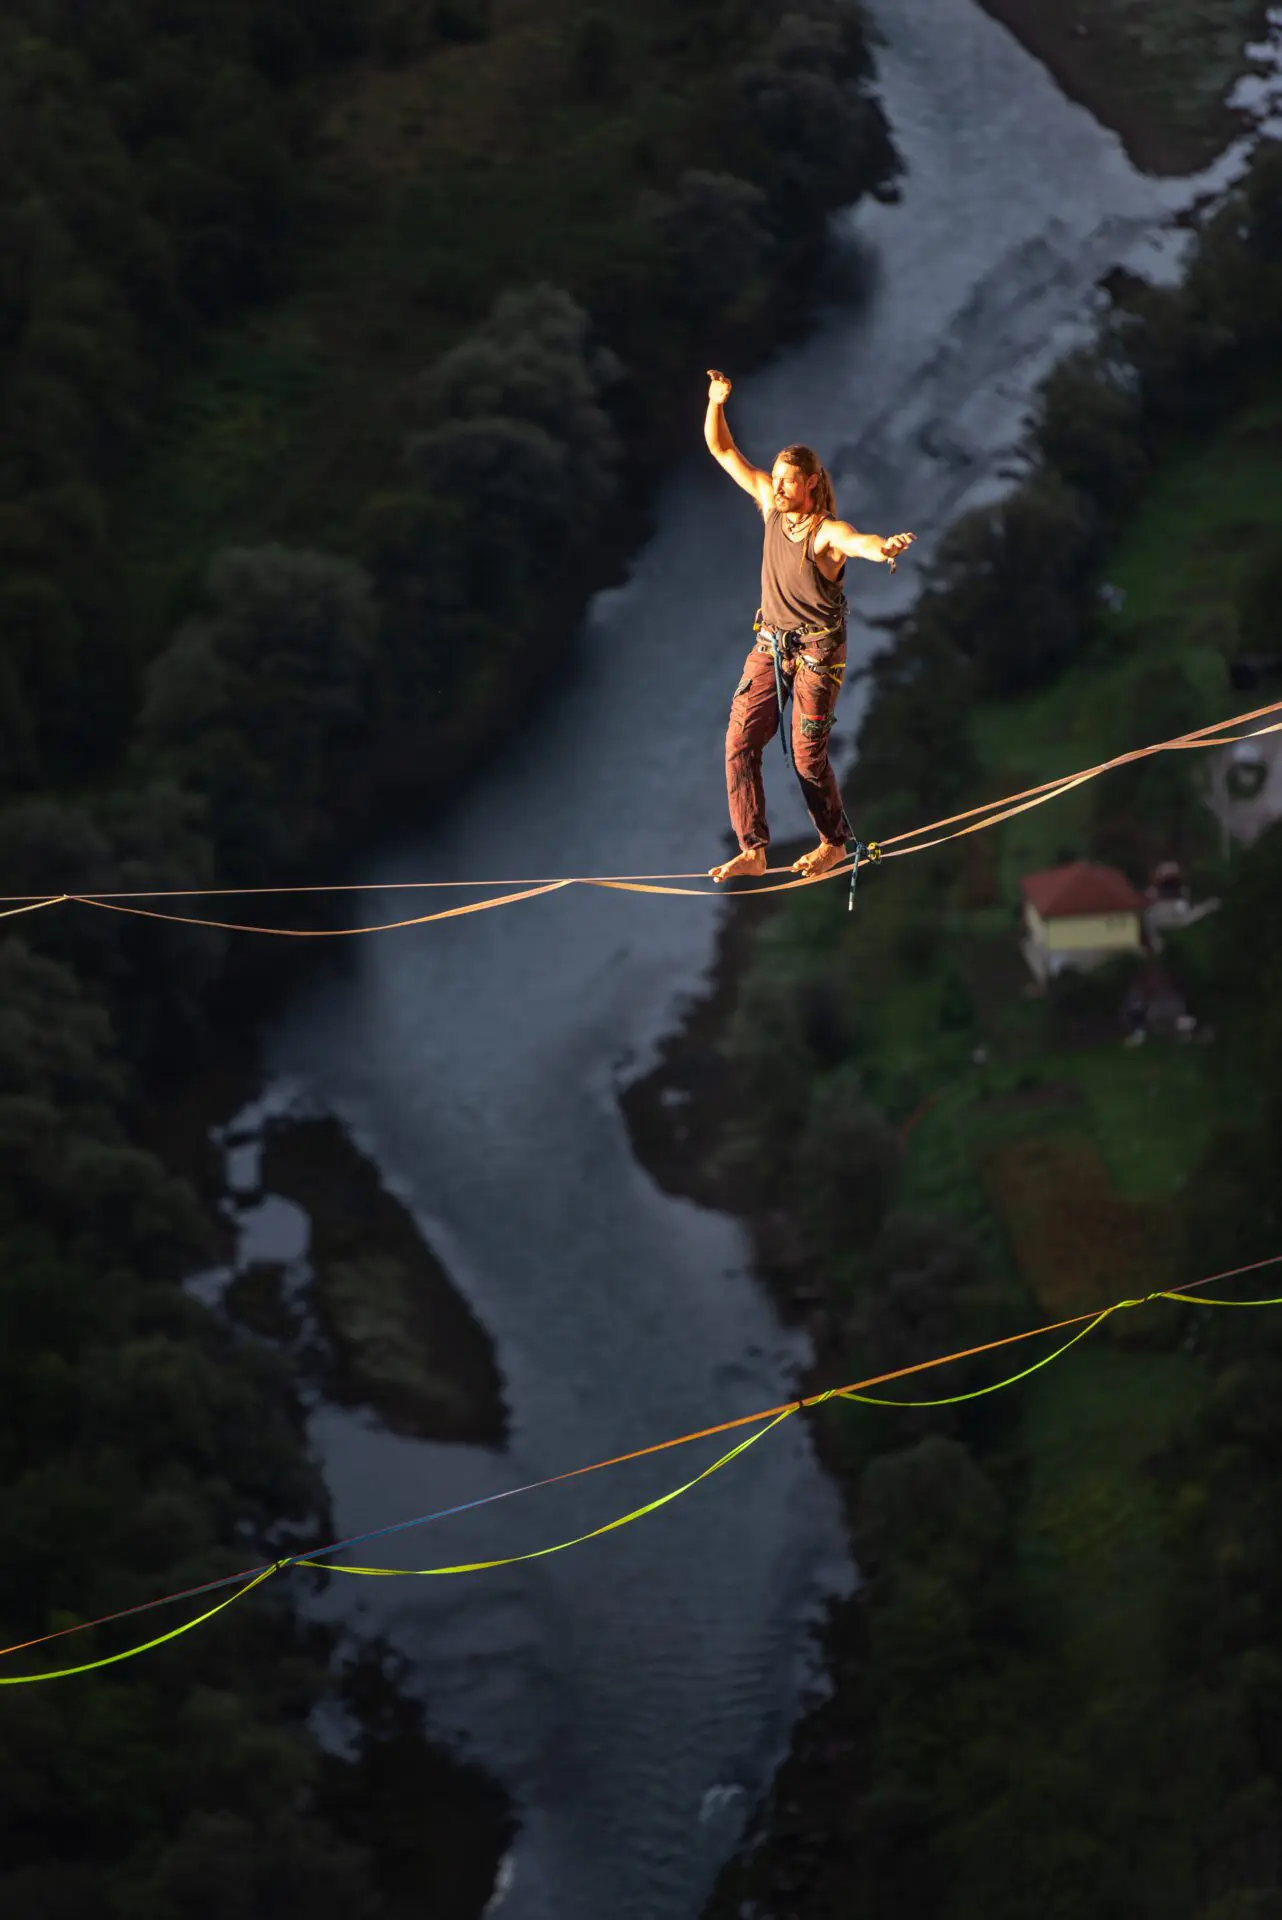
(801, 643)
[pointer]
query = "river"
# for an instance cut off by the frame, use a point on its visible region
(635, 1693)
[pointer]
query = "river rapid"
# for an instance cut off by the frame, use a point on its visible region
(634, 1694)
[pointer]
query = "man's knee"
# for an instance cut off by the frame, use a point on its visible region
(741, 759)
(748, 732)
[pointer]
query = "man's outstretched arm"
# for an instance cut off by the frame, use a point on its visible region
(838, 536)
(721, 446)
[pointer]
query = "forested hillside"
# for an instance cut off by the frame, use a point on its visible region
(237, 242)
(1058, 1689)
(323, 327)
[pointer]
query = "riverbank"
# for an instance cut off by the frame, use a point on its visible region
(329, 1272)
(1157, 72)
(401, 1339)
(1061, 1170)
(324, 1263)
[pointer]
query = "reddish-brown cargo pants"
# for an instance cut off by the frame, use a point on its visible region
(814, 669)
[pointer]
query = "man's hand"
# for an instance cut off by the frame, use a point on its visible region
(892, 548)
(719, 388)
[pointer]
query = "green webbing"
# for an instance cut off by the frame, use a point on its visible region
(112, 1659)
(955, 1399)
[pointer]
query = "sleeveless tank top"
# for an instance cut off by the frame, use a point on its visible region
(794, 593)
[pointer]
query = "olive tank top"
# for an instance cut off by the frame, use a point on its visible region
(794, 593)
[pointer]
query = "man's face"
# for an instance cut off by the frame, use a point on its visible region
(791, 487)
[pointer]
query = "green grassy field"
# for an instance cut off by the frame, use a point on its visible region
(1211, 515)
(1210, 518)
(1064, 1153)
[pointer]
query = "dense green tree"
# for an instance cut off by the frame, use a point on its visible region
(844, 1163)
(250, 706)
(1087, 426)
(1155, 809)
(802, 111)
(1012, 585)
(598, 58)
(913, 1283)
(1248, 927)
(931, 1506)
(533, 361)
(713, 246)
(1258, 625)
(913, 740)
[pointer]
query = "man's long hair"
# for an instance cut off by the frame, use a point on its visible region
(807, 461)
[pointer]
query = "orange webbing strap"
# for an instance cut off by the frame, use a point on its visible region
(318, 933)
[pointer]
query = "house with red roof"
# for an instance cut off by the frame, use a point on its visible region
(1079, 915)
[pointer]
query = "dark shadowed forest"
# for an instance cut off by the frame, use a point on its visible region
(323, 329)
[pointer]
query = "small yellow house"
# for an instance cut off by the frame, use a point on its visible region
(1078, 916)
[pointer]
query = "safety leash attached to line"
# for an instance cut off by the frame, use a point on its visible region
(780, 695)
(864, 850)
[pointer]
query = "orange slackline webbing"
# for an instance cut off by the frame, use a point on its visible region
(990, 813)
(33, 904)
(995, 811)
(320, 933)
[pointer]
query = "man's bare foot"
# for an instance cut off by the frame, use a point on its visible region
(751, 860)
(820, 860)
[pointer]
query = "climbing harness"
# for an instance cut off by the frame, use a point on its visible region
(776, 641)
(772, 642)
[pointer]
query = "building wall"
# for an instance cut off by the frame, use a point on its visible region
(1082, 933)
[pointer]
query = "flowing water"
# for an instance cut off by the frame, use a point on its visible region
(634, 1694)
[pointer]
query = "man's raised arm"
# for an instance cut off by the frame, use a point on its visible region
(721, 444)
